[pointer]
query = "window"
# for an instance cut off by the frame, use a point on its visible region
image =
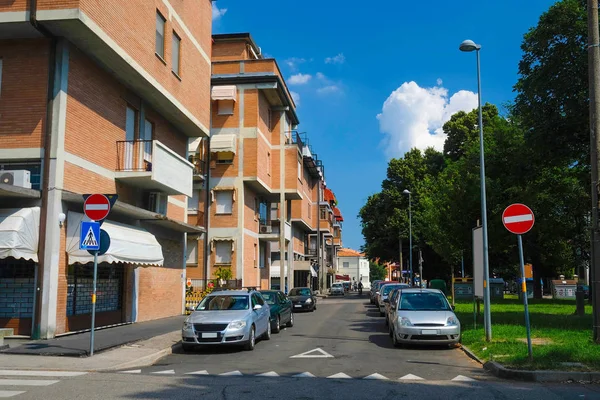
(224, 200)
(146, 136)
(268, 163)
(192, 252)
(299, 170)
(262, 252)
(256, 208)
(34, 168)
(323, 214)
(223, 252)
(193, 202)
(225, 157)
(175, 53)
(160, 35)
(346, 264)
(225, 107)
(130, 123)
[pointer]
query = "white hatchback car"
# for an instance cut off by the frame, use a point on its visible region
(337, 288)
(423, 316)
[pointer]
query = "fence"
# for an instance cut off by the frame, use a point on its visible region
(196, 293)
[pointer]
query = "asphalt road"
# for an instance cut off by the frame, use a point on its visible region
(354, 342)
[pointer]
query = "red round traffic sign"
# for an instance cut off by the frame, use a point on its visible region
(96, 207)
(518, 218)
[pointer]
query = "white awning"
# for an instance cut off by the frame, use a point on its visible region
(19, 233)
(313, 272)
(224, 92)
(275, 272)
(128, 244)
(222, 143)
(193, 145)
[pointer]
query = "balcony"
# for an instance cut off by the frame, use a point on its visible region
(310, 251)
(150, 165)
(337, 241)
(269, 230)
(199, 167)
(296, 139)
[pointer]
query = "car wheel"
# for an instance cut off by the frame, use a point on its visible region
(277, 328)
(395, 341)
(267, 335)
(252, 340)
(187, 347)
(291, 322)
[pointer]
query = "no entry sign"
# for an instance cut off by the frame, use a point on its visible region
(96, 207)
(518, 218)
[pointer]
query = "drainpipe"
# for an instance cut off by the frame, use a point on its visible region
(39, 276)
(207, 208)
(321, 269)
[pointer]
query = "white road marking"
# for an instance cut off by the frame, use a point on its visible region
(411, 377)
(462, 378)
(165, 372)
(304, 375)
(133, 371)
(272, 373)
(26, 382)
(203, 372)
(375, 376)
(9, 393)
(231, 373)
(340, 375)
(15, 372)
(518, 218)
(307, 354)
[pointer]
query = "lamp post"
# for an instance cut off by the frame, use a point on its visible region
(406, 191)
(469, 46)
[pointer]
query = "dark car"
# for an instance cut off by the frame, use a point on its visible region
(303, 298)
(281, 309)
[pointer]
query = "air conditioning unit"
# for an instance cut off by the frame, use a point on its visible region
(21, 178)
(266, 229)
(157, 202)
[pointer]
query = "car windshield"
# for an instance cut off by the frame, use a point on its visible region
(423, 301)
(337, 285)
(269, 297)
(388, 288)
(219, 303)
(300, 292)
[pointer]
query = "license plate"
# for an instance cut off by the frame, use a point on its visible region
(297, 305)
(429, 332)
(208, 335)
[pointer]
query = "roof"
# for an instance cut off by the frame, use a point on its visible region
(337, 214)
(349, 253)
(328, 195)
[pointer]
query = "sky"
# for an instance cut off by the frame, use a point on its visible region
(373, 80)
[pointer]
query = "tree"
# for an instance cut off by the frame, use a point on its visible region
(376, 271)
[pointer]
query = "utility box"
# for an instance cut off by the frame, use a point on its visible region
(529, 283)
(496, 288)
(463, 288)
(439, 284)
(564, 289)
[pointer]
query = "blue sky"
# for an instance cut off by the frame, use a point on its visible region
(345, 62)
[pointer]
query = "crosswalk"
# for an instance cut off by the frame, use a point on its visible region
(16, 382)
(305, 374)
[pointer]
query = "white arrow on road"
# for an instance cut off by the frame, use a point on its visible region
(307, 354)
(411, 377)
(376, 376)
(462, 378)
(304, 375)
(272, 373)
(203, 372)
(339, 375)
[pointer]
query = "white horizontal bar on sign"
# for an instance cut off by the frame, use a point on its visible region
(96, 206)
(518, 218)
(16, 372)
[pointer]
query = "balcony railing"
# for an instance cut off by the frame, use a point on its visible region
(311, 251)
(297, 140)
(199, 165)
(134, 155)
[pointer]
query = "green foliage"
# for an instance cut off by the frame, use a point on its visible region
(376, 271)
(223, 273)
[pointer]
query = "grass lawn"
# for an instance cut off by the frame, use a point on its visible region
(567, 337)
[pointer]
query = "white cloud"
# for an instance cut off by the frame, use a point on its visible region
(439, 81)
(329, 89)
(413, 116)
(299, 79)
(339, 59)
(320, 76)
(217, 12)
(293, 62)
(295, 97)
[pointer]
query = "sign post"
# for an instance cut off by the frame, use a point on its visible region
(96, 207)
(519, 219)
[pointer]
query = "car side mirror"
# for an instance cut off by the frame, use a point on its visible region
(257, 307)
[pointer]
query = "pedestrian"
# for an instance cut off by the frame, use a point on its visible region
(360, 288)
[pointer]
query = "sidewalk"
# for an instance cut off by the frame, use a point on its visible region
(78, 345)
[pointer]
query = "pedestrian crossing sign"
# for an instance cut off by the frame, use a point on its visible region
(89, 238)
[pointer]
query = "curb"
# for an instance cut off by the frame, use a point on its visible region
(540, 376)
(472, 355)
(143, 361)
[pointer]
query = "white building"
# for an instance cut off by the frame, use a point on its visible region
(355, 265)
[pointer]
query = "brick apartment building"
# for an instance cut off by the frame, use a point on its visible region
(108, 97)
(265, 186)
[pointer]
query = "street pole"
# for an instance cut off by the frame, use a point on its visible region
(321, 269)
(462, 262)
(94, 303)
(594, 84)
(420, 268)
(410, 254)
(524, 293)
(401, 266)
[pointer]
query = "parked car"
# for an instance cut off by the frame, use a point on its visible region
(281, 309)
(377, 290)
(384, 291)
(227, 317)
(392, 297)
(373, 289)
(303, 298)
(337, 288)
(423, 316)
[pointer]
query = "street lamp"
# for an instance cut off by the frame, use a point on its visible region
(406, 191)
(469, 46)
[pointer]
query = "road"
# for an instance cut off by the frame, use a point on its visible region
(354, 360)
